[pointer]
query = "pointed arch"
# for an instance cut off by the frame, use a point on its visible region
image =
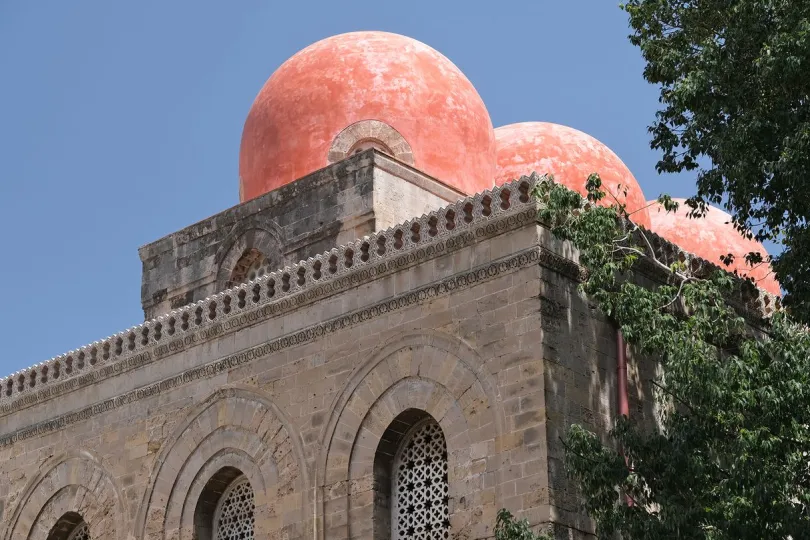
(235, 428)
(428, 371)
(251, 235)
(75, 482)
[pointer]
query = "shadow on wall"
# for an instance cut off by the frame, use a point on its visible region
(579, 349)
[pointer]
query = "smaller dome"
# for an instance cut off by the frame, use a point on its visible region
(710, 238)
(568, 154)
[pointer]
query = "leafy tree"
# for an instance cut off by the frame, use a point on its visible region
(735, 93)
(509, 528)
(730, 457)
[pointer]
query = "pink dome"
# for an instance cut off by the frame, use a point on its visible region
(385, 88)
(710, 238)
(571, 156)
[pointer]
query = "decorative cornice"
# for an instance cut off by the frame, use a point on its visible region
(480, 274)
(751, 302)
(452, 227)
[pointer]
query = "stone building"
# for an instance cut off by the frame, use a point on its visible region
(380, 341)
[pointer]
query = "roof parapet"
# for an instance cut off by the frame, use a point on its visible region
(27, 385)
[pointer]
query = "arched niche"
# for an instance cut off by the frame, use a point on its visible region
(236, 432)
(249, 247)
(71, 488)
(427, 371)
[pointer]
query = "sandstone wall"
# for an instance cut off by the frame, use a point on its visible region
(470, 314)
(360, 195)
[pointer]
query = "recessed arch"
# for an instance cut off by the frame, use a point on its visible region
(433, 400)
(71, 526)
(236, 428)
(212, 481)
(429, 371)
(248, 241)
(69, 485)
(367, 134)
(397, 353)
(411, 488)
(225, 508)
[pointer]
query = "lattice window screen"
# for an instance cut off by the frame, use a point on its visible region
(252, 265)
(420, 509)
(260, 267)
(81, 532)
(233, 519)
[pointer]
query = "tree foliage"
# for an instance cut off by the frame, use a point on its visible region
(507, 527)
(735, 93)
(729, 458)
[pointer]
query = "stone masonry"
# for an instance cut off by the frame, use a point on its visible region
(469, 314)
(355, 197)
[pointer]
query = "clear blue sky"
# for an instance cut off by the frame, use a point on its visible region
(120, 123)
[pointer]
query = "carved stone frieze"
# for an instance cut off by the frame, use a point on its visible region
(450, 228)
(459, 281)
(454, 226)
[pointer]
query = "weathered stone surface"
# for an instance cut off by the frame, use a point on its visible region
(365, 193)
(301, 379)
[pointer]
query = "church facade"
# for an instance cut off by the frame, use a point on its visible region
(367, 346)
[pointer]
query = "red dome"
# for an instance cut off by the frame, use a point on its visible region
(371, 81)
(570, 155)
(710, 238)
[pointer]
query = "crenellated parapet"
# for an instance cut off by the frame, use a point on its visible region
(351, 264)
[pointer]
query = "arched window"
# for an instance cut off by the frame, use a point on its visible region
(365, 144)
(225, 508)
(251, 265)
(233, 519)
(81, 532)
(70, 526)
(355, 138)
(411, 481)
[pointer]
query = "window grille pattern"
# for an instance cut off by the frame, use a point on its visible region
(81, 532)
(421, 492)
(233, 519)
(258, 268)
(252, 265)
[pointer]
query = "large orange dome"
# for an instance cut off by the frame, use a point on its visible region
(570, 155)
(710, 238)
(352, 91)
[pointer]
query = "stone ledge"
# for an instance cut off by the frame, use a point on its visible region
(479, 274)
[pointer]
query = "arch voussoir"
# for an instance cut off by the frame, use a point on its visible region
(422, 371)
(235, 432)
(75, 483)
